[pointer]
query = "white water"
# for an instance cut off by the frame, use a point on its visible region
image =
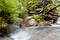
(57, 23)
(37, 34)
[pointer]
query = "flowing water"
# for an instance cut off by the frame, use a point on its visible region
(35, 33)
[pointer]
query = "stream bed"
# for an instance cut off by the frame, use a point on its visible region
(35, 34)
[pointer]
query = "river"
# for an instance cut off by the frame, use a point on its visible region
(35, 33)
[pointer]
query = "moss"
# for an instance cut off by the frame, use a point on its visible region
(38, 18)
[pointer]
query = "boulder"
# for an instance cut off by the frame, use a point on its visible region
(4, 31)
(32, 22)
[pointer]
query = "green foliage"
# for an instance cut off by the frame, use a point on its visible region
(32, 4)
(38, 18)
(27, 5)
(2, 20)
(57, 2)
(9, 10)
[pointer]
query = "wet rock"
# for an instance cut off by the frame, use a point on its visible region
(4, 31)
(32, 22)
(58, 21)
(41, 24)
(29, 17)
(24, 23)
(47, 23)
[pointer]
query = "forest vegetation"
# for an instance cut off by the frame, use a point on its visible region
(42, 11)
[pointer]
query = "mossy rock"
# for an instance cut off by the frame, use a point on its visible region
(38, 18)
(4, 31)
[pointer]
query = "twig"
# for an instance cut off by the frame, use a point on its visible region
(52, 9)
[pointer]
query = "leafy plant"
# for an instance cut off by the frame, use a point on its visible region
(9, 9)
(38, 18)
(26, 6)
(57, 2)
